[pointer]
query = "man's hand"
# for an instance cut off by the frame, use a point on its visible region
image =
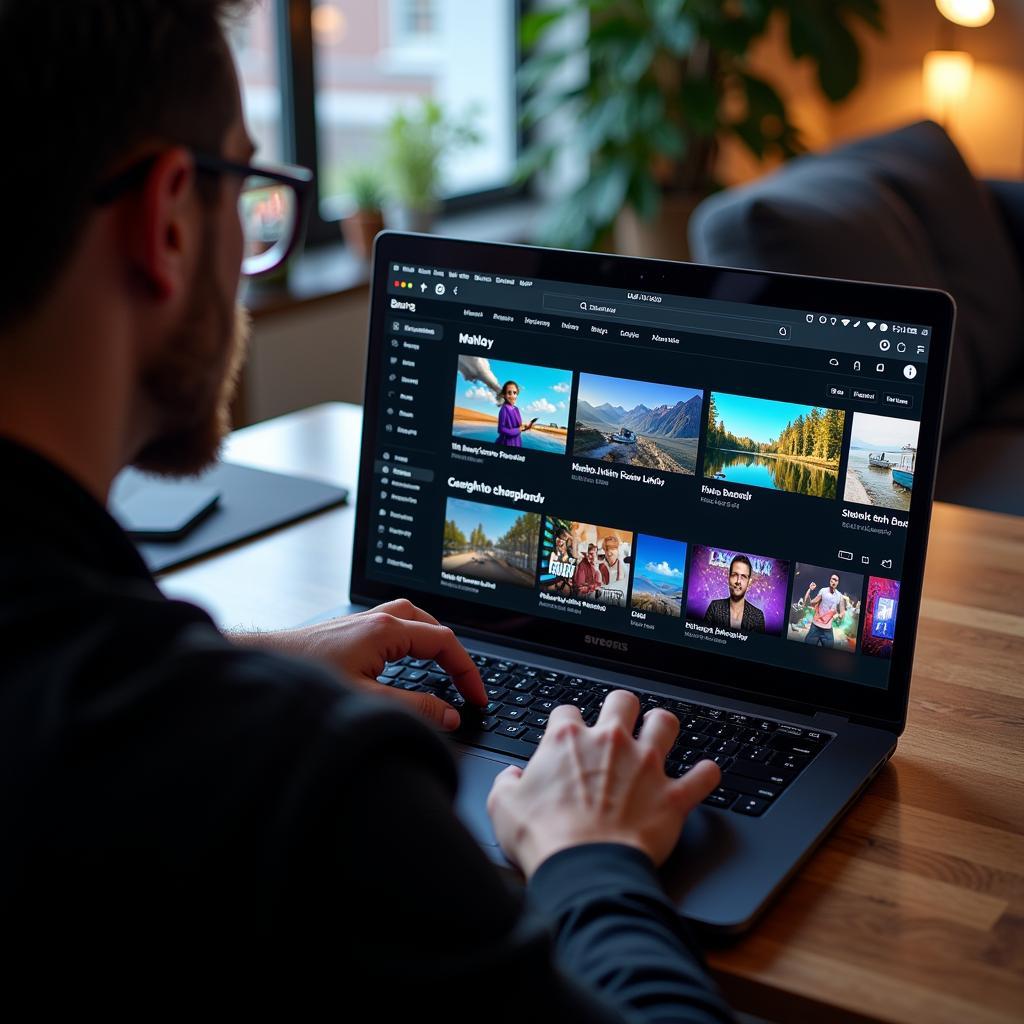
(360, 645)
(594, 785)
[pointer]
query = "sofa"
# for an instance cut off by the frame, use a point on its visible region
(904, 208)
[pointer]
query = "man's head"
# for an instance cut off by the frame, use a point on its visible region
(740, 571)
(611, 548)
(833, 582)
(591, 553)
(93, 88)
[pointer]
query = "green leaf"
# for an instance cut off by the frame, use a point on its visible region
(666, 138)
(645, 195)
(536, 23)
(699, 100)
(536, 70)
(606, 191)
(636, 59)
(607, 119)
(678, 35)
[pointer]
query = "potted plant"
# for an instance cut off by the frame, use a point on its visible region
(366, 193)
(664, 83)
(416, 143)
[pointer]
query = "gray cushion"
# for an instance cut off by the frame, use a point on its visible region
(900, 208)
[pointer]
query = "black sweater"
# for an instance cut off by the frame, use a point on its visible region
(187, 810)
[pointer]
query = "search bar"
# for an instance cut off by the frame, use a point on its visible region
(677, 318)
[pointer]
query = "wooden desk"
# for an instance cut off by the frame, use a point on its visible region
(913, 909)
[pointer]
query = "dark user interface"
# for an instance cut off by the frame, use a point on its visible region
(735, 479)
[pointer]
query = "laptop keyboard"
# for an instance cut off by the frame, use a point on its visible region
(759, 757)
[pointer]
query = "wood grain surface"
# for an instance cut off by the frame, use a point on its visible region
(913, 909)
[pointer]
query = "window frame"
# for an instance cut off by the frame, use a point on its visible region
(299, 143)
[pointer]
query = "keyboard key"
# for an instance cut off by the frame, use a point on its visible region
(550, 690)
(792, 764)
(532, 736)
(421, 663)
(523, 684)
(544, 707)
(727, 747)
(750, 787)
(510, 729)
(521, 700)
(414, 675)
(495, 692)
(695, 740)
(721, 798)
(393, 670)
(757, 753)
(765, 726)
(778, 777)
(480, 660)
(492, 706)
(486, 724)
(722, 760)
(751, 806)
(385, 680)
(536, 721)
(512, 714)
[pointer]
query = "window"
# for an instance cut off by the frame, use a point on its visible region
(256, 46)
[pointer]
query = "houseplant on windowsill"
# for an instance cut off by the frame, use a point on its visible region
(664, 81)
(416, 143)
(361, 225)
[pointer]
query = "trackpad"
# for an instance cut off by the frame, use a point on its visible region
(476, 776)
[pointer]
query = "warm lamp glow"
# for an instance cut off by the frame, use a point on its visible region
(329, 24)
(969, 13)
(947, 81)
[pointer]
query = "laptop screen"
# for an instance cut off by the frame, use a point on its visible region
(692, 479)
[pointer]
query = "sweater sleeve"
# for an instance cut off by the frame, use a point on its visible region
(616, 932)
(440, 933)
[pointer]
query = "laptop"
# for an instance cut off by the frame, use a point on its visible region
(709, 486)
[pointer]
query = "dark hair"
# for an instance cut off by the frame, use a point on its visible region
(506, 384)
(84, 82)
(745, 561)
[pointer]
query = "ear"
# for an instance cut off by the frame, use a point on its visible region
(166, 232)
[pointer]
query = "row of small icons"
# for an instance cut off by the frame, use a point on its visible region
(909, 371)
(845, 321)
(439, 289)
(870, 324)
(847, 556)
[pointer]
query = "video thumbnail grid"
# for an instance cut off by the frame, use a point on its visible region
(673, 587)
(617, 427)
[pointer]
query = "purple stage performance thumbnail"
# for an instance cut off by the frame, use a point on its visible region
(723, 581)
(880, 617)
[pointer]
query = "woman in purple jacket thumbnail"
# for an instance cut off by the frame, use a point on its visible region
(510, 419)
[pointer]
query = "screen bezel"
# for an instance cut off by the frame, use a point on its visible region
(783, 687)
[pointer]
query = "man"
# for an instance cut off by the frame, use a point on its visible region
(587, 579)
(829, 608)
(735, 611)
(177, 806)
(561, 564)
(614, 573)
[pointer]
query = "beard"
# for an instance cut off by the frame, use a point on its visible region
(193, 381)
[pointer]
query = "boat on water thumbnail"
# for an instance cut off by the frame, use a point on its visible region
(903, 471)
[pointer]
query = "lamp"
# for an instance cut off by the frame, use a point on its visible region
(969, 13)
(947, 81)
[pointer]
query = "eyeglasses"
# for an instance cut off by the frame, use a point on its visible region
(273, 205)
